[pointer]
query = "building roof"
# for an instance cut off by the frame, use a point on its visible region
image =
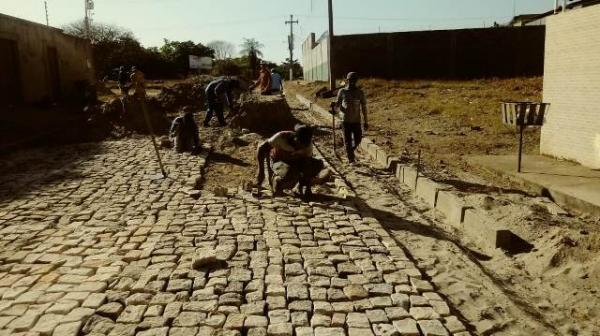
(526, 18)
(31, 23)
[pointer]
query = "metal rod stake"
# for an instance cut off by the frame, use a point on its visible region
(521, 128)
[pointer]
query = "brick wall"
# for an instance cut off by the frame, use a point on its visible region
(572, 86)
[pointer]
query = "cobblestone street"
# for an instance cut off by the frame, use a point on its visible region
(94, 242)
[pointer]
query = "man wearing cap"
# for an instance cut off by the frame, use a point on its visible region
(291, 154)
(352, 103)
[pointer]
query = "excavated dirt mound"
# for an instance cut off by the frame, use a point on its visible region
(120, 117)
(189, 93)
(263, 114)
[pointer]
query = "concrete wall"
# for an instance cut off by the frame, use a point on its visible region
(572, 86)
(35, 70)
(314, 58)
(462, 53)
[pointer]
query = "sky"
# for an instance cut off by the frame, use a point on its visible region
(203, 21)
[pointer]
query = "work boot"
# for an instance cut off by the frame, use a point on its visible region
(276, 188)
(307, 193)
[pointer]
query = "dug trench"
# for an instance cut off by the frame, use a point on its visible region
(544, 292)
(231, 163)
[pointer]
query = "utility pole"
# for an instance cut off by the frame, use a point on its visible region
(89, 6)
(291, 44)
(330, 46)
(46, 8)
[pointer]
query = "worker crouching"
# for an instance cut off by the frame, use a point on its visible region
(184, 133)
(290, 161)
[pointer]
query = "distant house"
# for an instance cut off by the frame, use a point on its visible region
(572, 85)
(41, 63)
(540, 19)
(530, 19)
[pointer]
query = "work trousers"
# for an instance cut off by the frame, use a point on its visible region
(214, 107)
(352, 138)
(301, 171)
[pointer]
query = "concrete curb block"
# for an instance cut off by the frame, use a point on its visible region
(410, 177)
(428, 190)
(452, 206)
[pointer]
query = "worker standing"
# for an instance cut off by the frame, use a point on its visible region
(138, 82)
(352, 103)
(219, 93)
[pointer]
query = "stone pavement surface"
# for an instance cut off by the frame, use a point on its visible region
(93, 243)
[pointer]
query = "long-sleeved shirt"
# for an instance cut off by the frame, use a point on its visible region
(352, 102)
(220, 88)
(276, 82)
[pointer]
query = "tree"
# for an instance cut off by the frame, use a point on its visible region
(222, 49)
(99, 32)
(178, 53)
(251, 48)
(112, 46)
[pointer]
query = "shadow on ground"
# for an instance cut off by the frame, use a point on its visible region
(25, 171)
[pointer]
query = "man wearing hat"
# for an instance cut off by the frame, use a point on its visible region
(352, 103)
(291, 154)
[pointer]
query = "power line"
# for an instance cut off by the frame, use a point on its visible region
(357, 18)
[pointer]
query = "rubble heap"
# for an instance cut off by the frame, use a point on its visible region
(263, 114)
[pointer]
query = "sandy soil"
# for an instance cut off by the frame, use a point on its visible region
(553, 289)
(445, 120)
(231, 164)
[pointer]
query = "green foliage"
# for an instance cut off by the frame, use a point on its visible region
(228, 67)
(251, 46)
(178, 53)
(284, 69)
(114, 46)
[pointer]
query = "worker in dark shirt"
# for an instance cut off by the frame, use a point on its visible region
(219, 93)
(184, 133)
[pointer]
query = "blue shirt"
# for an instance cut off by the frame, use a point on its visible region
(276, 82)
